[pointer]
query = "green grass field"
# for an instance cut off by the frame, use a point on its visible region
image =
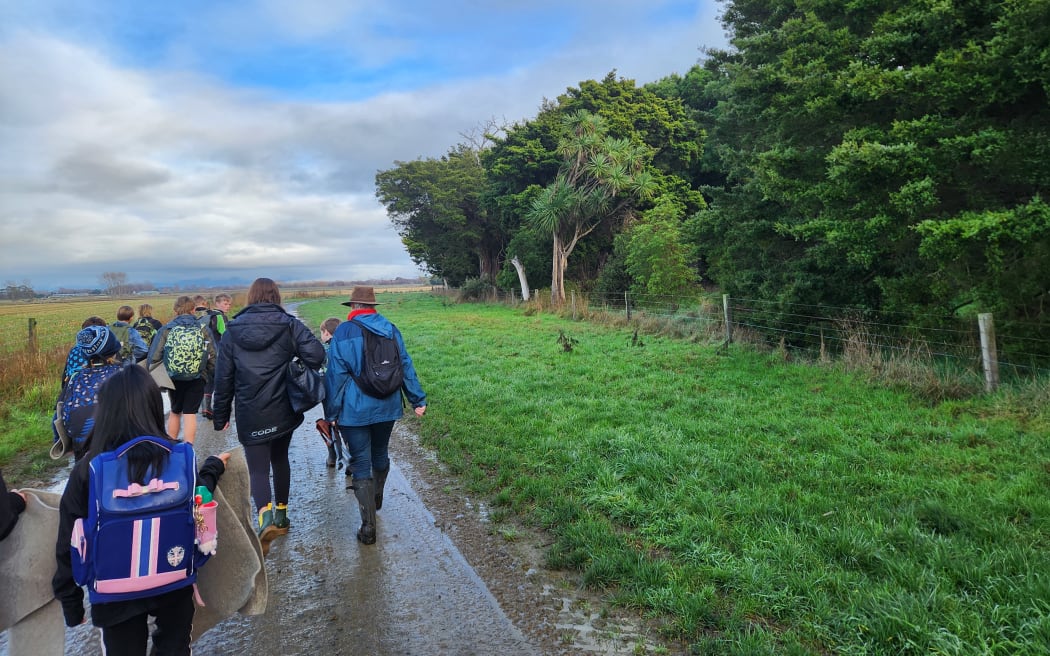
(754, 505)
(758, 506)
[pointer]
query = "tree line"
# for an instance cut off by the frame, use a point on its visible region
(891, 157)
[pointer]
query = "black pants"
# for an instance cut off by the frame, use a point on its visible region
(174, 617)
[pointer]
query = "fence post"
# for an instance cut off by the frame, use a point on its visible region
(32, 336)
(574, 305)
(728, 313)
(627, 305)
(989, 358)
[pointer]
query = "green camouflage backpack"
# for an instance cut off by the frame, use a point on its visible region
(145, 328)
(185, 352)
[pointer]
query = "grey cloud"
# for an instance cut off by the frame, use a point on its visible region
(100, 175)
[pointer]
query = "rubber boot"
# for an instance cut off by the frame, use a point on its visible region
(379, 475)
(280, 519)
(365, 491)
(266, 530)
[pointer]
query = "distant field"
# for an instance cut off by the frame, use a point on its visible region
(57, 321)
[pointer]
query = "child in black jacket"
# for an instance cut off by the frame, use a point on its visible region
(129, 405)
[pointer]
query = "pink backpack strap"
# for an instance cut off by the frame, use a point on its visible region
(136, 490)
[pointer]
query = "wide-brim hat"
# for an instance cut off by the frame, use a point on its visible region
(97, 341)
(362, 295)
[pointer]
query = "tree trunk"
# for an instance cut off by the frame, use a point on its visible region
(557, 273)
(521, 277)
(488, 265)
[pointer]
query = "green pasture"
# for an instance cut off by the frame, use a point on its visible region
(756, 506)
(751, 504)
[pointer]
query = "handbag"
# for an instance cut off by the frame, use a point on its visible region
(305, 386)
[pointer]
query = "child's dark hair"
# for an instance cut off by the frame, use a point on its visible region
(129, 406)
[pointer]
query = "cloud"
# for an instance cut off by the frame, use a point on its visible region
(159, 161)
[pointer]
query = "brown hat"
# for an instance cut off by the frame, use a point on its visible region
(362, 295)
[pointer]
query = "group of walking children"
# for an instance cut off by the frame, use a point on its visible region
(130, 462)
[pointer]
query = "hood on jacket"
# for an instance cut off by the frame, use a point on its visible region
(376, 323)
(257, 327)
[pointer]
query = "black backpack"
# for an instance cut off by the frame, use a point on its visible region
(381, 374)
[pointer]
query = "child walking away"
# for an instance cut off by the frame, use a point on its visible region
(326, 427)
(189, 357)
(127, 527)
(75, 409)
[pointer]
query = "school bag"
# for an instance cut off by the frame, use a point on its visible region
(145, 329)
(138, 540)
(381, 374)
(185, 352)
(123, 335)
(214, 322)
(75, 408)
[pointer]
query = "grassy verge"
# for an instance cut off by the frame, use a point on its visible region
(759, 506)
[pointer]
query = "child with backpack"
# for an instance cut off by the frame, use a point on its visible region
(75, 409)
(132, 347)
(146, 325)
(75, 360)
(186, 350)
(128, 512)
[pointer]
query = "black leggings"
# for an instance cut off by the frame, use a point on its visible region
(262, 458)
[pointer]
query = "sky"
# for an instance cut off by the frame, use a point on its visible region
(231, 140)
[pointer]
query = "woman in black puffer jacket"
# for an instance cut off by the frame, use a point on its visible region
(253, 356)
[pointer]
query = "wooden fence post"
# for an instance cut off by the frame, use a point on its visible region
(989, 358)
(574, 305)
(32, 336)
(627, 304)
(728, 312)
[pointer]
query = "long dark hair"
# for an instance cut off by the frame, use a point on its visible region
(129, 405)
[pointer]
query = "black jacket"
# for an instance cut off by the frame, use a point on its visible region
(251, 369)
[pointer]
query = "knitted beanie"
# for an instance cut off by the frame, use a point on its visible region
(97, 341)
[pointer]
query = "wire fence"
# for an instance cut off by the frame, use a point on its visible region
(946, 343)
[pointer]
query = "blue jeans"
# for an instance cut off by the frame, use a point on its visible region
(368, 447)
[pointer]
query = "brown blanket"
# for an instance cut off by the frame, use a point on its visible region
(232, 581)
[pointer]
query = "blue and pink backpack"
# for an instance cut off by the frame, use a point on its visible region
(138, 540)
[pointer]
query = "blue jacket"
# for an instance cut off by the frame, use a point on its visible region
(344, 401)
(139, 347)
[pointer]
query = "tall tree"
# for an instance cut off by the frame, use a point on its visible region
(599, 180)
(434, 205)
(871, 149)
